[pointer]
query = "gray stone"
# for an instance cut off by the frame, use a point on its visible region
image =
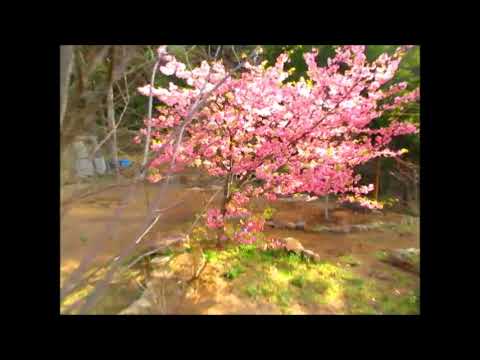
(300, 225)
(84, 167)
(407, 259)
(100, 165)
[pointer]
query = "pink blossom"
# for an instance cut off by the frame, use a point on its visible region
(282, 135)
(214, 219)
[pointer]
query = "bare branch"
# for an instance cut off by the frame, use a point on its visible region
(127, 100)
(235, 53)
(150, 105)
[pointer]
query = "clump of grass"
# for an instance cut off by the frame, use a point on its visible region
(252, 291)
(356, 282)
(401, 278)
(168, 252)
(350, 260)
(211, 256)
(408, 304)
(381, 255)
(247, 251)
(234, 272)
(298, 281)
(283, 297)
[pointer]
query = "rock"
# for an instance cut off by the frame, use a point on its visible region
(300, 225)
(100, 165)
(291, 225)
(407, 259)
(84, 167)
(292, 244)
(380, 275)
(312, 255)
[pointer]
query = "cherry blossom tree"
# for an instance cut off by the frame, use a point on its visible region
(268, 137)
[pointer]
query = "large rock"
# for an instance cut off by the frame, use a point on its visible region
(81, 149)
(407, 259)
(84, 167)
(292, 244)
(100, 165)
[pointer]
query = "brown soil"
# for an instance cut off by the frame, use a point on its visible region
(84, 230)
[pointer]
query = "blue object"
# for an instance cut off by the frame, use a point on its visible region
(124, 163)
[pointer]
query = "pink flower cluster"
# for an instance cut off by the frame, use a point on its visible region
(214, 219)
(305, 136)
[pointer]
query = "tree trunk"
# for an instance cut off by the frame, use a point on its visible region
(111, 116)
(226, 190)
(111, 125)
(226, 199)
(326, 207)
(66, 65)
(377, 179)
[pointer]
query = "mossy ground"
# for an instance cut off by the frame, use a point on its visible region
(290, 281)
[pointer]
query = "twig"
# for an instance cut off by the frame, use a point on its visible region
(180, 239)
(218, 51)
(150, 105)
(205, 207)
(145, 255)
(235, 53)
(112, 131)
(161, 211)
(187, 58)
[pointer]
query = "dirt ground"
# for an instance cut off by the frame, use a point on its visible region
(85, 232)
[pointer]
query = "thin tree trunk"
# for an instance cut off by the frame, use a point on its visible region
(223, 210)
(226, 194)
(111, 115)
(66, 65)
(150, 106)
(377, 179)
(111, 124)
(326, 207)
(147, 198)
